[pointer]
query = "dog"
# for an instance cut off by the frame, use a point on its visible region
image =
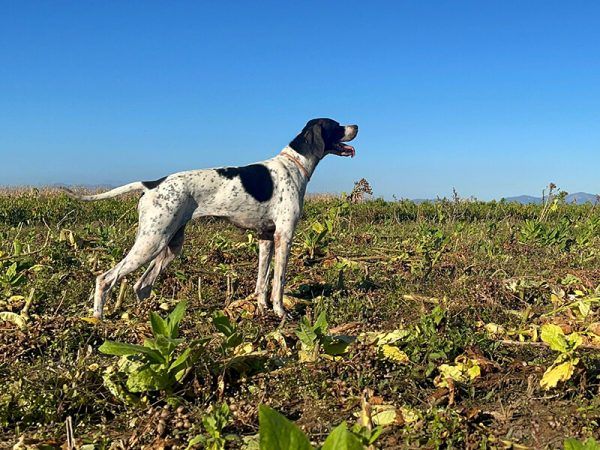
(267, 196)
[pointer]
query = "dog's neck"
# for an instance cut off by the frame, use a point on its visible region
(306, 165)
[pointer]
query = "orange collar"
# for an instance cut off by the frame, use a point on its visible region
(297, 162)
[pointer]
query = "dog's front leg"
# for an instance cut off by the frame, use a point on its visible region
(265, 254)
(283, 244)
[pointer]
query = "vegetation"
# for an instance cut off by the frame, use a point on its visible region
(447, 324)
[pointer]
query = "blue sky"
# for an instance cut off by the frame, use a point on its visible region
(491, 98)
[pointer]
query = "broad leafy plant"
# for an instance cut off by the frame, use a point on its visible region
(155, 365)
(315, 337)
(214, 424)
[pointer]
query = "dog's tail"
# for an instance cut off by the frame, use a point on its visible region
(131, 187)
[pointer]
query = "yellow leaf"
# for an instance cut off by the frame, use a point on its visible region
(383, 414)
(460, 372)
(409, 415)
(449, 371)
(291, 302)
(394, 353)
(243, 349)
(92, 320)
(304, 356)
(474, 372)
(12, 317)
(584, 308)
(391, 336)
(494, 328)
(556, 373)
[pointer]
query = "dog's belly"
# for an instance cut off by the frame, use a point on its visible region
(260, 225)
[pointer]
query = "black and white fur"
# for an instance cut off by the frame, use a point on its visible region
(267, 196)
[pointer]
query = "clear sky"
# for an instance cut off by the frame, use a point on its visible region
(494, 98)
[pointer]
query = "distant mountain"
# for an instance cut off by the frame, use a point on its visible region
(524, 199)
(581, 197)
(578, 198)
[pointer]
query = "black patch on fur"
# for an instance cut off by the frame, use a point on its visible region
(317, 137)
(153, 184)
(256, 180)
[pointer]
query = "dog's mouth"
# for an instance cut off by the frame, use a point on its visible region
(342, 149)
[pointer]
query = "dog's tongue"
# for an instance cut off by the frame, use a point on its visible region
(348, 150)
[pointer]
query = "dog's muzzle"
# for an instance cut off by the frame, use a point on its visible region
(350, 133)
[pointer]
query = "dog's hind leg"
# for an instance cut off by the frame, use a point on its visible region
(143, 286)
(153, 236)
(140, 254)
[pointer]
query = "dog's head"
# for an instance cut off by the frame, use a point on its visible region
(323, 136)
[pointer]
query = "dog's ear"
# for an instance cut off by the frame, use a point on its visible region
(310, 140)
(315, 138)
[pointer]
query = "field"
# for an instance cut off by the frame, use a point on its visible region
(448, 324)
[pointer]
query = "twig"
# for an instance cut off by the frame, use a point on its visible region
(200, 289)
(60, 222)
(120, 297)
(70, 434)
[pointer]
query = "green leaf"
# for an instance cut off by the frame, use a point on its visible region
(223, 324)
(11, 271)
(321, 326)
(337, 345)
(164, 345)
(159, 326)
(575, 444)
(116, 388)
(183, 362)
(124, 349)
(278, 433)
(342, 439)
(147, 379)
(553, 336)
(175, 317)
(195, 441)
(306, 335)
